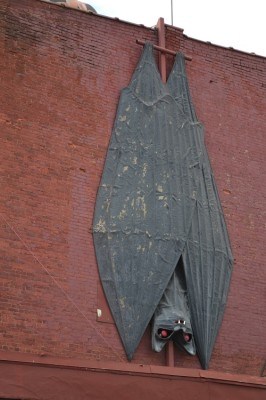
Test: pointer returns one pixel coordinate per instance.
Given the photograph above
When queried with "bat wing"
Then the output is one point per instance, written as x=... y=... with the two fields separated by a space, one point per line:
x=207 y=254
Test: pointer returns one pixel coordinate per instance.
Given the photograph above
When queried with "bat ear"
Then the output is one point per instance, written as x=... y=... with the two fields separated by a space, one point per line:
x=178 y=87
x=146 y=83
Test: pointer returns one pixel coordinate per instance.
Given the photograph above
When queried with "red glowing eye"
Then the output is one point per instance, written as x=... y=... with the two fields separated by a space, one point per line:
x=164 y=333
x=186 y=337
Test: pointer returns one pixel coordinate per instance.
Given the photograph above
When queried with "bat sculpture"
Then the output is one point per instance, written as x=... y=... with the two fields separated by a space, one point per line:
x=160 y=237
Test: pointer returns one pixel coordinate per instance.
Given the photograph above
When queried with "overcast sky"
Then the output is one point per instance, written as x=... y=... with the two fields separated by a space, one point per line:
x=240 y=24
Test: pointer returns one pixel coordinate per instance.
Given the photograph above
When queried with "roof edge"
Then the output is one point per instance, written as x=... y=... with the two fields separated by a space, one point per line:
x=132 y=369
x=214 y=44
x=153 y=28
x=98 y=15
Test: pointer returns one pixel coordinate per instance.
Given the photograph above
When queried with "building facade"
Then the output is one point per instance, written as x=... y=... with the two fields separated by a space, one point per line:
x=62 y=71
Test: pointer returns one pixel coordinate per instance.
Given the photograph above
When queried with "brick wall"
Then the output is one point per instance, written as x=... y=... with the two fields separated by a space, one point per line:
x=61 y=72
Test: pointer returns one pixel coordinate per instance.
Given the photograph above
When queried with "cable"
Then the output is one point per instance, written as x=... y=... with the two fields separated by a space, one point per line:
x=58 y=285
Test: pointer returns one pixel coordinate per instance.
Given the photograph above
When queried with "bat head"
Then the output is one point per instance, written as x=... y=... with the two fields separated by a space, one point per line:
x=177 y=329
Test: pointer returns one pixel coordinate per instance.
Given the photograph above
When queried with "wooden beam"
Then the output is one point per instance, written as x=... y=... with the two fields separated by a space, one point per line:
x=162 y=56
x=162 y=49
x=170 y=354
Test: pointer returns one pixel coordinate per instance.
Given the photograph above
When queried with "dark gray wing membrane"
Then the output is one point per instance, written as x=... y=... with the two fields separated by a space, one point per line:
x=207 y=254
x=146 y=199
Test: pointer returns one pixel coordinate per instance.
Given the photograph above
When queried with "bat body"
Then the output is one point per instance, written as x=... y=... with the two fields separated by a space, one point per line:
x=157 y=208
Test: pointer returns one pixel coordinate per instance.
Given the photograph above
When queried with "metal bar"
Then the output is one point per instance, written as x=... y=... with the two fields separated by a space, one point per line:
x=169 y=351
x=172 y=15
x=163 y=50
x=162 y=56
x=170 y=354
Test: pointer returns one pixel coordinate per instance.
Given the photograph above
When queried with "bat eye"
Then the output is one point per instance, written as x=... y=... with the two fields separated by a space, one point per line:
x=187 y=337
x=163 y=333
x=180 y=321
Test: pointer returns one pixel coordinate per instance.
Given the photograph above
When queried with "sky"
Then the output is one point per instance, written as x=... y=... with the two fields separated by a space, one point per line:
x=240 y=24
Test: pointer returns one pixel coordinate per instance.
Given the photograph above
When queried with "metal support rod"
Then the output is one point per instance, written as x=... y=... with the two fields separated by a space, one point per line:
x=162 y=56
x=163 y=50
x=170 y=354
x=172 y=15
x=169 y=350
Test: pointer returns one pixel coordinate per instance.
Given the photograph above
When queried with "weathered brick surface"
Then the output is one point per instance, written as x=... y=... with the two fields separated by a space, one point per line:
x=61 y=73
